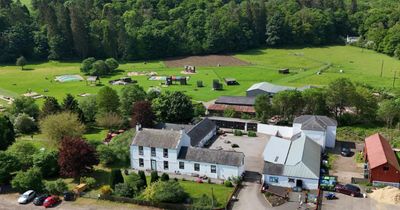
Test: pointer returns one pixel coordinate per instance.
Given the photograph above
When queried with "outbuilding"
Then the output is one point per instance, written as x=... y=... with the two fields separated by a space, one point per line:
x=382 y=164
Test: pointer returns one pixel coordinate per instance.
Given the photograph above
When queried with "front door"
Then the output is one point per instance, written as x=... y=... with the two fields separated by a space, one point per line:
x=153 y=165
x=299 y=183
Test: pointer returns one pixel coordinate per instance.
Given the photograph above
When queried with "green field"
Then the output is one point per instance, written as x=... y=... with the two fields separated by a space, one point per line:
x=359 y=65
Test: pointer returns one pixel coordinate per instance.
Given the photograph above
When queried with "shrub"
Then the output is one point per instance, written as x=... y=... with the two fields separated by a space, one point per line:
x=28 y=180
x=205 y=202
x=56 y=187
x=228 y=183
x=123 y=190
x=237 y=133
x=170 y=192
x=237 y=180
x=116 y=177
x=25 y=124
x=164 y=177
x=89 y=181
x=135 y=182
x=251 y=134
x=105 y=190
x=154 y=176
x=143 y=178
x=46 y=161
x=235 y=146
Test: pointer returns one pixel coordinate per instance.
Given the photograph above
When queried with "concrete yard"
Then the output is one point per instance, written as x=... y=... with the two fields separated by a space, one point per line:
x=252 y=147
x=345 y=202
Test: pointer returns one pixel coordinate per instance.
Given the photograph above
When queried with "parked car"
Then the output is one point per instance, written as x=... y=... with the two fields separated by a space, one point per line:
x=38 y=201
x=69 y=196
x=27 y=197
x=346 y=152
x=51 y=201
x=348 y=189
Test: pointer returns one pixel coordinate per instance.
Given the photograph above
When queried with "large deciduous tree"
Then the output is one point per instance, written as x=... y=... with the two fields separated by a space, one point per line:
x=76 y=157
x=58 y=126
x=340 y=95
x=288 y=103
x=25 y=105
x=263 y=108
x=143 y=114
x=28 y=180
x=88 y=105
x=7 y=135
x=50 y=106
x=107 y=100
x=173 y=107
x=129 y=95
x=8 y=164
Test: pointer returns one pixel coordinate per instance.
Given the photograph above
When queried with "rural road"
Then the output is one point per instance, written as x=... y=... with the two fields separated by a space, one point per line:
x=9 y=202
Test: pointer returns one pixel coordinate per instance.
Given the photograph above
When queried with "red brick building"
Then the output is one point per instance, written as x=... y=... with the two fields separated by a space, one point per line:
x=383 y=165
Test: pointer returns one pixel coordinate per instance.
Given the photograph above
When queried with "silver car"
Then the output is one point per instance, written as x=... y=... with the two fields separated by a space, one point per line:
x=27 y=197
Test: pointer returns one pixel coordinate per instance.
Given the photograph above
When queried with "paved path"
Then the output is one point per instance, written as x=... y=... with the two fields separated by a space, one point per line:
x=9 y=202
x=250 y=198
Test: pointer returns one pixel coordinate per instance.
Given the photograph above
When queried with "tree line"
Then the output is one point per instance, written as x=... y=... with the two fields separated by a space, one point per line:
x=146 y=29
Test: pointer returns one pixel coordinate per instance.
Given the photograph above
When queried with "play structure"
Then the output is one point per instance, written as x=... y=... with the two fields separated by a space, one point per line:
x=170 y=80
x=122 y=81
x=68 y=78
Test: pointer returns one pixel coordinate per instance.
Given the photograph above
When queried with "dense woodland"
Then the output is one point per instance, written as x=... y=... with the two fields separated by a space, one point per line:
x=145 y=29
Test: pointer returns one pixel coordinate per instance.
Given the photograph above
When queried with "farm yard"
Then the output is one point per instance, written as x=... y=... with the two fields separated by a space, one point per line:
x=357 y=64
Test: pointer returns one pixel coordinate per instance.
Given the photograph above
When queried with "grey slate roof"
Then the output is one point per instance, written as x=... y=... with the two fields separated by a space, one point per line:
x=303 y=160
x=174 y=127
x=157 y=138
x=315 y=122
x=220 y=157
x=236 y=100
x=201 y=130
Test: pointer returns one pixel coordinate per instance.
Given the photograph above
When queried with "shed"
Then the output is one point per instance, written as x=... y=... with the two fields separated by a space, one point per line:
x=383 y=166
x=283 y=71
x=230 y=81
x=92 y=79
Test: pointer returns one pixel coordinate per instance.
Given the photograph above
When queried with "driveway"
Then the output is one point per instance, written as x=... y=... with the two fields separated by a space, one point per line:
x=252 y=147
x=346 y=167
x=345 y=202
x=9 y=202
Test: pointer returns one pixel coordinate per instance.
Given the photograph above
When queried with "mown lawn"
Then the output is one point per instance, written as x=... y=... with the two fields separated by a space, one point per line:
x=359 y=65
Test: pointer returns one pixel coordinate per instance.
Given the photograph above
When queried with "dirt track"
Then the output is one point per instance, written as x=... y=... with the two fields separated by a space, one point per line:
x=206 y=60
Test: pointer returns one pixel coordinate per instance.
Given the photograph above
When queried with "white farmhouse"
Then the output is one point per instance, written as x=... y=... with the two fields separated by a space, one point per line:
x=292 y=163
x=321 y=129
x=170 y=151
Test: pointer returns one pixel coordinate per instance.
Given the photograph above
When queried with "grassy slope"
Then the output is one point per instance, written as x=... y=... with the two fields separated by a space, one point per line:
x=359 y=65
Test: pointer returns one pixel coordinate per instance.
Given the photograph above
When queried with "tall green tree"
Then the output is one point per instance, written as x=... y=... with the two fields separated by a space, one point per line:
x=108 y=100
x=129 y=95
x=288 y=103
x=173 y=107
x=50 y=106
x=263 y=108
x=7 y=135
x=25 y=105
x=340 y=95
x=21 y=61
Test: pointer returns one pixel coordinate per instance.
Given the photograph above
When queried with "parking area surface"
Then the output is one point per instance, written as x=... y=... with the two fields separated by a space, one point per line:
x=345 y=202
x=252 y=147
x=9 y=202
x=346 y=167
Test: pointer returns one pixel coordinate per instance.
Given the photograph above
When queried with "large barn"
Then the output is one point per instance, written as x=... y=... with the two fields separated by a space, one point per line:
x=383 y=166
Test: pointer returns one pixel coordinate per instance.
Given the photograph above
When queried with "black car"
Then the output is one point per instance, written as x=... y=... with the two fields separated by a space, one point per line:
x=38 y=201
x=69 y=196
x=346 y=152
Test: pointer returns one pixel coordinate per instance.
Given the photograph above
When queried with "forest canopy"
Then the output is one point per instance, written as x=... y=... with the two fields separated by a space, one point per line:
x=138 y=29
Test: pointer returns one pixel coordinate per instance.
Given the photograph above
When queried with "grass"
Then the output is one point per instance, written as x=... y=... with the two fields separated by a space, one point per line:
x=360 y=132
x=359 y=65
x=331 y=160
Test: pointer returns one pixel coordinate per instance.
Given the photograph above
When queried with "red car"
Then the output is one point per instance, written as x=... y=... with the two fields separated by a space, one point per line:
x=51 y=201
x=348 y=189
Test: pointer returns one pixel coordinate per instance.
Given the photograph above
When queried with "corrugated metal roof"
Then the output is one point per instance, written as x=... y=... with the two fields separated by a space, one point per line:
x=276 y=150
x=236 y=100
x=303 y=159
x=222 y=107
x=380 y=152
x=269 y=87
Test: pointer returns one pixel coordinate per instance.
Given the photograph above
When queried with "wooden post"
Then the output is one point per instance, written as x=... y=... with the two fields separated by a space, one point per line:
x=394 y=77
x=382 y=68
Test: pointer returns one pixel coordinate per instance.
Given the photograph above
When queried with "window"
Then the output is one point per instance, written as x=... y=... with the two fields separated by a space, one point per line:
x=165 y=153
x=385 y=168
x=153 y=152
x=141 y=162
x=213 y=169
x=273 y=179
x=197 y=167
x=165 y=165
x=140 y=150
x=291 y=180
x=181 y=165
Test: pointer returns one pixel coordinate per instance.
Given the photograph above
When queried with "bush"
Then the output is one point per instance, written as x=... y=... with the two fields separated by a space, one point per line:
x=89 y=181
x=135 y=182
x=123 y=190
x=164 y=177
x=205 y=202
x=237 y=133
x=154 y=177
x=46 y=161
x=170 y=192
x=235 y=146
x=25 y=124
x=28 y=180
x=116 y=177
x=228 y=183
x=143 y=178
x=105 y=190
x=251 y=134
x=56 y=187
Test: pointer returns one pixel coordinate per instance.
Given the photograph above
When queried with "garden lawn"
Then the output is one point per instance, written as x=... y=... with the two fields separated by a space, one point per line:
x=359 y=65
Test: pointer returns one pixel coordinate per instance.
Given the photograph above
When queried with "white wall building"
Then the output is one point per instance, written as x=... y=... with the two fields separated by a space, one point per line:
x=171 y=152
x=290 y=163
